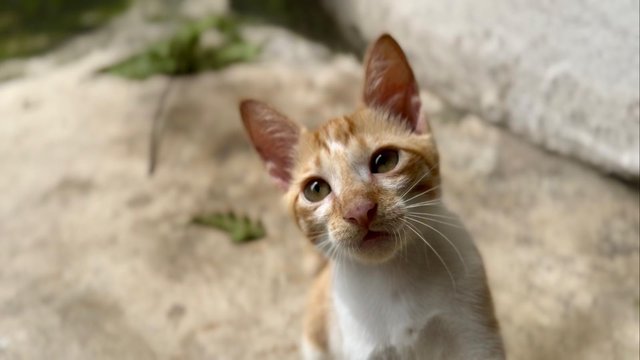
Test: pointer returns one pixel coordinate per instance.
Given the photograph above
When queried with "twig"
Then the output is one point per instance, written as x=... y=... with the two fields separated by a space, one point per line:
x=157 y=126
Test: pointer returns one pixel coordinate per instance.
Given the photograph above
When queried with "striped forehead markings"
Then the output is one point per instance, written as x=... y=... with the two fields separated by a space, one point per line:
x=336 y=147
x=343 y=130
x=339 y=130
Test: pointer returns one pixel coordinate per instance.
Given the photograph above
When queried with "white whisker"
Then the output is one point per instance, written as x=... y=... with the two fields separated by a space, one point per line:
x=423 y=193
x=425 y=217
x=434 y=203
x=447 y=239
x=411 y=227
x=438 y=215
x=416 y=183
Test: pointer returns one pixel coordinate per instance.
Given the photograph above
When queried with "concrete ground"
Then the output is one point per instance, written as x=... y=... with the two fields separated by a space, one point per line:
x=99 y=260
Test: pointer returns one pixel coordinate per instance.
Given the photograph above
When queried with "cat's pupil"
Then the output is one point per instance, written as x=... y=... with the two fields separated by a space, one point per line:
x=316 y=190
x=384 y=160
x=315 y=186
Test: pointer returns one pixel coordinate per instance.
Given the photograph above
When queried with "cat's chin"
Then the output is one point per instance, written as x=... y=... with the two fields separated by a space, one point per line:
x=375 y=248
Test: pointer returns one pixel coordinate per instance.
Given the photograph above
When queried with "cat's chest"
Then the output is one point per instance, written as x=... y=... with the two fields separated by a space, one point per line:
x=385 y=315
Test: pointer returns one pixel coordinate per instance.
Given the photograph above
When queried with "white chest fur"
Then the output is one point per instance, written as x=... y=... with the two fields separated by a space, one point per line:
x=411 y=308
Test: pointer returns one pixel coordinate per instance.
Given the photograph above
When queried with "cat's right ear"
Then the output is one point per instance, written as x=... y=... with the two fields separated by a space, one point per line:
x=275 y=138
x=390 y=83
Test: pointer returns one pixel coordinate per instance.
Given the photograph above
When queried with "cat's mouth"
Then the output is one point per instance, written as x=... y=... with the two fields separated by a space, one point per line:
x=375 y=247
x=373 y=238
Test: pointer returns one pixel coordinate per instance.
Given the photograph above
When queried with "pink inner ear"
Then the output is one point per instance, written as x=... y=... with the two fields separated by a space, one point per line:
x=274 y=136
x=282 y=179
x=390 y=84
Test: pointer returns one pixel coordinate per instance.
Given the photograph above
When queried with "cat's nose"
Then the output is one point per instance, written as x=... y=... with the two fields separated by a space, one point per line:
x=361 y=212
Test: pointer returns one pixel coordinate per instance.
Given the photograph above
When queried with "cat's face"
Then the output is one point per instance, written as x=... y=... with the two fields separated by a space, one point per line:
x=351 y=183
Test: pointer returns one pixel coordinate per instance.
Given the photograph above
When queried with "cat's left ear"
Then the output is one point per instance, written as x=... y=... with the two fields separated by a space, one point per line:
x=274 y=136
x=390 y=83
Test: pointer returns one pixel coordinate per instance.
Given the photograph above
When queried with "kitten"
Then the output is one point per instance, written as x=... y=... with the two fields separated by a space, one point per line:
x=404 y=279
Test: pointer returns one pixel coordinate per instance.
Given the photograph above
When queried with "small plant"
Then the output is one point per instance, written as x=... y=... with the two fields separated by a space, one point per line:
x=240 y=228
x=184 y=54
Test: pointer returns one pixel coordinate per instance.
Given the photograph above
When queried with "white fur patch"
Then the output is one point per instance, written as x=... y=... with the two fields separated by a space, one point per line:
x=393 y=310
x=310 y=352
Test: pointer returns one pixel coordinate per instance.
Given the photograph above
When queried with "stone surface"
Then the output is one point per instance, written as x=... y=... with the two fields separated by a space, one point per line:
x=563 y=74
x=99 y=261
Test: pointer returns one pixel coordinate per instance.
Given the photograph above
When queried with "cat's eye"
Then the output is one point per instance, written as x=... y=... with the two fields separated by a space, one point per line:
x=316 y=189
x=384 y=160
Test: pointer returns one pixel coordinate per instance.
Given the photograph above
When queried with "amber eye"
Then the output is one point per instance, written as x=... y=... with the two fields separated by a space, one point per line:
x=316 y=190
x=384 y=160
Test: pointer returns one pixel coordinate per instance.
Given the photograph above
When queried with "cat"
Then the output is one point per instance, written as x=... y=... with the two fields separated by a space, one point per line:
x=404 y=279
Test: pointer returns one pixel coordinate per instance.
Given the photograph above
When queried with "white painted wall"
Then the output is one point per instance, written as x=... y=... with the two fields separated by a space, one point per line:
x=565 y=74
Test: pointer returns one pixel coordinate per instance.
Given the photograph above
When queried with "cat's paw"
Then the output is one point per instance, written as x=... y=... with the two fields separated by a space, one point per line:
x=310 y=352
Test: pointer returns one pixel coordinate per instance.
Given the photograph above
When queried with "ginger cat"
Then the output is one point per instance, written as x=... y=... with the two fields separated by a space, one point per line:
x=404 y=279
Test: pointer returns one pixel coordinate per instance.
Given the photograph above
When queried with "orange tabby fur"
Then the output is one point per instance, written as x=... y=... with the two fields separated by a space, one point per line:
x=316 y=318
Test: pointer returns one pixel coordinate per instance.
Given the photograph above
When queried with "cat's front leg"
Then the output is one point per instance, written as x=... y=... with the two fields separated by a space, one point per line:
x=315 y=337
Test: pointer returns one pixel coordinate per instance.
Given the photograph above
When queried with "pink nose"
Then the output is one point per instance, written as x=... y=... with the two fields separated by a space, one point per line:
x=361 y=212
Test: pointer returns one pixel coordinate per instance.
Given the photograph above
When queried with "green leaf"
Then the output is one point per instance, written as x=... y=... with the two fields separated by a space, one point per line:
x=240 y=229
x=183 y=53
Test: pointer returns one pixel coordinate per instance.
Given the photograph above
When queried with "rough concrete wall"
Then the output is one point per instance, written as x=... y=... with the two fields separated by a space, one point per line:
x=564 y=74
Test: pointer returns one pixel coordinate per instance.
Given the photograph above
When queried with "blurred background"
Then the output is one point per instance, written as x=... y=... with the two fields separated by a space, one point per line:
x=137 y=222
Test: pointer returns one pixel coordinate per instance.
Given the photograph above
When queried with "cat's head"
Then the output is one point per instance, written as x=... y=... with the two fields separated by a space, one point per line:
x=352 y=182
